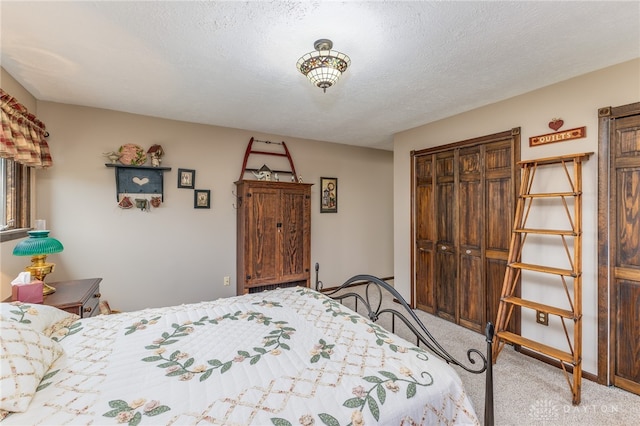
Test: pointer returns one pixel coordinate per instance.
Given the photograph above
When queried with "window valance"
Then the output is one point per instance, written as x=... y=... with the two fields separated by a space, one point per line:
x=23 y=136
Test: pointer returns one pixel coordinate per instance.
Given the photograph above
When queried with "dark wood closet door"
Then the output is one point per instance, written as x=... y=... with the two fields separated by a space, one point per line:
x=500 y=184
x=425 y=233
x=470 y=240
x=625 y=248
x=463 y=207
x=446 y=281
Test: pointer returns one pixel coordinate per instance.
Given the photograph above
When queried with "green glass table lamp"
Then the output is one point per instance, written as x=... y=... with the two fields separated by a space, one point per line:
x=38 y=246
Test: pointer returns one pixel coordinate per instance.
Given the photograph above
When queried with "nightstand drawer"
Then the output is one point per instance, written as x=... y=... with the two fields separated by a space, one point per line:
x=80 y=297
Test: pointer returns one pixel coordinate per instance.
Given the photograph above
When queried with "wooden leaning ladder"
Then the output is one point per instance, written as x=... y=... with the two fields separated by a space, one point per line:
x=570 y=359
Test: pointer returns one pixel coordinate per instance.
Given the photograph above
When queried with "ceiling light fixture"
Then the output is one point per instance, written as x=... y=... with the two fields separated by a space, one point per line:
x=324 y=66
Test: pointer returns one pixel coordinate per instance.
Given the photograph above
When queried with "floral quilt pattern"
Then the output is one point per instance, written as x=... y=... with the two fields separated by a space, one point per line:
x=283 y=357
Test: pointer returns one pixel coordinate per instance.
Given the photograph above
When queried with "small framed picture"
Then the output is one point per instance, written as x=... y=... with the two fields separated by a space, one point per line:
x=202 y=199
x=186 y=178
x=328 y=195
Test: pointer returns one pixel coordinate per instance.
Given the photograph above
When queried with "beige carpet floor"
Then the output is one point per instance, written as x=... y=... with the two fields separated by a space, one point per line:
x=527 y=391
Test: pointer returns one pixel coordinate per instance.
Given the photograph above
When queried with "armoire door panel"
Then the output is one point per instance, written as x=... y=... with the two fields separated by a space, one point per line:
x=263 y=238
x=292 y=232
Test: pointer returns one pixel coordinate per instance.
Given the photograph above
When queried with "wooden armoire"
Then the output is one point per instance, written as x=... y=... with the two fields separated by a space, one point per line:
x=463 y=201
x=273 y=235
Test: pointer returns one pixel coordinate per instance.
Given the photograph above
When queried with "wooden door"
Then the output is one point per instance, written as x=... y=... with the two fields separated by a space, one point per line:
x=293 y=230
x=446 y=277
x=261 y=236
x=500 y=183
x=623 y=246
x=425 y=233
x=470 y=239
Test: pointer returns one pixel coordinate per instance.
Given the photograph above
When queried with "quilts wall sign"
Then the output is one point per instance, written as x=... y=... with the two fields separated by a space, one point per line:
x=558 y=136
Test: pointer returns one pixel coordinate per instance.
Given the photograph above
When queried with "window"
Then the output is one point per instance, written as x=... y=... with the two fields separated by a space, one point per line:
x=15 y=188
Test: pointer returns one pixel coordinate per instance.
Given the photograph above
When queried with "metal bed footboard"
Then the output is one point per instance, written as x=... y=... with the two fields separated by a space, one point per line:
x=478 y=363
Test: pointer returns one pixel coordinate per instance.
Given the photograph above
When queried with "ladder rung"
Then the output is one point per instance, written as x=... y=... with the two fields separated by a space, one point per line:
x=540 y=307
x=277 y=154
x=272 y=171
x=551 y=194
x=545 y=231
x=546 y=269
x=556 y=160
x=536 y=346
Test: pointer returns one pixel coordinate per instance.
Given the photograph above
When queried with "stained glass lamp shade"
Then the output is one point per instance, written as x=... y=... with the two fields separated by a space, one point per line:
x=38 y=246
x=324 y=66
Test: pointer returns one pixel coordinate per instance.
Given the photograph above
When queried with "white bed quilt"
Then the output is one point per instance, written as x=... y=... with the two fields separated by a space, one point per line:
x=283 y=357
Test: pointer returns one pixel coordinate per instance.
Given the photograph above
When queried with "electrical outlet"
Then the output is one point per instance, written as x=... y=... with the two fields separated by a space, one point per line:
x=542 y=318
x=227 y=280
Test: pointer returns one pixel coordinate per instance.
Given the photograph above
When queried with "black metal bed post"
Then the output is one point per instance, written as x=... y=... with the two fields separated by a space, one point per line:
x=488 y=391
x=319 y=284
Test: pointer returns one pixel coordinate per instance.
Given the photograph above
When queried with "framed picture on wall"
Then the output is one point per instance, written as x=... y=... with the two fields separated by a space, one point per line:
x=186 y=178
x=202 y=199
x=328 y=195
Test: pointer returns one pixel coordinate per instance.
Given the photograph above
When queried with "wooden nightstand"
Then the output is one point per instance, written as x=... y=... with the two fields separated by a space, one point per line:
x=80 y=297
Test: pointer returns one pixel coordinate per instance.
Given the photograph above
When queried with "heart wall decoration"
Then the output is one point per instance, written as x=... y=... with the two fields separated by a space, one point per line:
x=140 y=181
x=556 y=123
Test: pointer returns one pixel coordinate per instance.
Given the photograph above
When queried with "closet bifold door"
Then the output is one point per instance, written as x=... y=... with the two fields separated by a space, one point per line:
x=446 y=277
x=463 y=204
x=424 y=233
x=500 y=186
x=471 y=294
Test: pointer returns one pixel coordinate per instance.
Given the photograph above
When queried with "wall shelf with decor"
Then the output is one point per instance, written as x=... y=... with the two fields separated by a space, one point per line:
x=139 y=179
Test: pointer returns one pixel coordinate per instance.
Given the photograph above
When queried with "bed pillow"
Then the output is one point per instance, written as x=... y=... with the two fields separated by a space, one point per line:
x=43 y=318
x=25 y=357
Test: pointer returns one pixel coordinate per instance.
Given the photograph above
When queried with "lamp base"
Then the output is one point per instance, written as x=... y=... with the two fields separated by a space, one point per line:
x=39 y=269
x=47 y=289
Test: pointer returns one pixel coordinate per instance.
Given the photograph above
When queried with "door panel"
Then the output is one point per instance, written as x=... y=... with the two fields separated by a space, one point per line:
x=292 y=232
x=425 y=234
x=446 y=282
x=471 y=291
x=463 y=207
x=625 y=247
x=471 y=219
x=263 y=240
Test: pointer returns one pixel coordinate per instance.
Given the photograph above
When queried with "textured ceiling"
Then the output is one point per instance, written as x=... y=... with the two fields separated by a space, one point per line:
x=233 y=64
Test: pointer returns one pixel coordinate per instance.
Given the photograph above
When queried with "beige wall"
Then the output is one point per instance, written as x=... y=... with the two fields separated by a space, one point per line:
x=178 y=254
x=576 y=101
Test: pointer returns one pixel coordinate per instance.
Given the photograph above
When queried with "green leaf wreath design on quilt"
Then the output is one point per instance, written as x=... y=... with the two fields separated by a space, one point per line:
x=181 y=364
x=141 y=325
x=321 y=350
x=43 y=383
x=132 y=413
x=22 y=311
x=65 y=332
x=369 y=398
